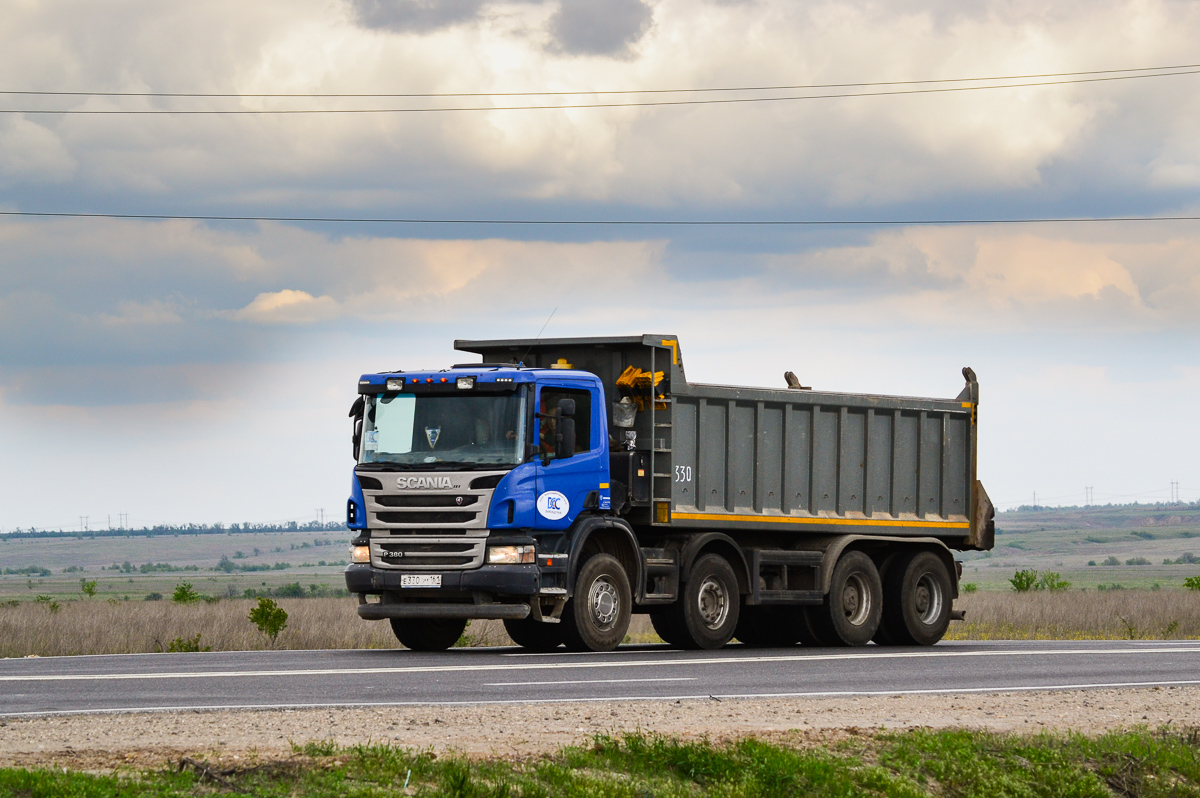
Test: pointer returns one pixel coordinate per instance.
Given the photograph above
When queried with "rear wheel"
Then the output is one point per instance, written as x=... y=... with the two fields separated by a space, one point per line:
x=428 y=634
x=667 y=626
x=916 y=609
x=534 y=635
x=597 y=616
x=773 y=626
x=851 y=613
x=706 y=614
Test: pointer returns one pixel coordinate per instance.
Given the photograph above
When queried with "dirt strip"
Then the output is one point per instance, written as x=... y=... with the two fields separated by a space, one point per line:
x=101 y=742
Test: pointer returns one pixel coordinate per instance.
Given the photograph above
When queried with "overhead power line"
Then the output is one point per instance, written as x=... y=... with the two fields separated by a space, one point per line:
x=568 y=106
x=599 y=222
x=793 y=87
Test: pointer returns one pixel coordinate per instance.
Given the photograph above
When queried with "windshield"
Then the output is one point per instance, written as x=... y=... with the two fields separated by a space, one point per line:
x=470 y=429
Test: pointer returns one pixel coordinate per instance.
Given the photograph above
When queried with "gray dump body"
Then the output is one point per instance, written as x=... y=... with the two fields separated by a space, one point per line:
x=779 y=460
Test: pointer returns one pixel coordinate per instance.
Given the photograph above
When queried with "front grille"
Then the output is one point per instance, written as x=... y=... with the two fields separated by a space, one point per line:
x=405 y=549
x=426 y=501
x=417 y=555
x=426 y=518
x=392 y=533
x=430 y=529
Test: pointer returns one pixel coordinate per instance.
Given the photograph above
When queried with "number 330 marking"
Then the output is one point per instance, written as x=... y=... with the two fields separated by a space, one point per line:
x=683 y=473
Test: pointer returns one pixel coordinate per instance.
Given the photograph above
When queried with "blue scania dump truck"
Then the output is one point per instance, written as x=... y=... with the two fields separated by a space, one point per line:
x=562 y=485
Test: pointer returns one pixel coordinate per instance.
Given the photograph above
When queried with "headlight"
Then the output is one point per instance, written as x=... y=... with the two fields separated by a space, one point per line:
x=465 y=383
x=513 y=555
x=395 y=384
x=360 y=554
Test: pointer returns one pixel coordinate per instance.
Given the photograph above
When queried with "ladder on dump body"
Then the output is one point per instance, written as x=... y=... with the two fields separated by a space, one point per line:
x=658 y=445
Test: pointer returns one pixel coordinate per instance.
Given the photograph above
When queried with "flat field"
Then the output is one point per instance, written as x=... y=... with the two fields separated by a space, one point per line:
x=306 y=557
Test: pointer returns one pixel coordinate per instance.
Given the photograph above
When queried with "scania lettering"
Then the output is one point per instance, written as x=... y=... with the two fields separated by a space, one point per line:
x=562 y=485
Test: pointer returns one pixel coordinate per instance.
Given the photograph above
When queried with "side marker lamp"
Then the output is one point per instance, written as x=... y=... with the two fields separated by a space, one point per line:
x=395 y=384
x=360 y=554
x=465 y=383
x=510 y=555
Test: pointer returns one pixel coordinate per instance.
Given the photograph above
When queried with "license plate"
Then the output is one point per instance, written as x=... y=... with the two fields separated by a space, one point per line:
x=420 y=580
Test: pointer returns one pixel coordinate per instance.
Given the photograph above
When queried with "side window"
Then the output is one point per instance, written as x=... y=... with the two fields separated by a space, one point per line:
x=583 y=418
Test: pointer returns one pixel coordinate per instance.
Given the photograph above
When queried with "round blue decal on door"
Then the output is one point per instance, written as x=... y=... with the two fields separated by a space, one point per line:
x=553 y=505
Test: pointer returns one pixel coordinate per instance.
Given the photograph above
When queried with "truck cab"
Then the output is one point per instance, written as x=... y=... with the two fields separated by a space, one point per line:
x=463 y=477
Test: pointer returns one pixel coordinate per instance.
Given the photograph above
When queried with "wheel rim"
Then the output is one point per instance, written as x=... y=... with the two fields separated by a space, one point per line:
x=856 y=600
x=713 y=603
x=604 y=603
x=928 y=599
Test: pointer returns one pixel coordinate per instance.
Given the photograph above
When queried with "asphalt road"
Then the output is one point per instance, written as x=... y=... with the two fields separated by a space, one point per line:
x=283 y=679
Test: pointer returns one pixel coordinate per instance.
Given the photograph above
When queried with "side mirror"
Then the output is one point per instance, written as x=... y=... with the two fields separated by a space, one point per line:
x=566 y=407
x=565 y=445
x=356 y=413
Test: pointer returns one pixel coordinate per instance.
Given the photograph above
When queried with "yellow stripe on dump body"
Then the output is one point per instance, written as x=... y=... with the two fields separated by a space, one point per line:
x=774 y=519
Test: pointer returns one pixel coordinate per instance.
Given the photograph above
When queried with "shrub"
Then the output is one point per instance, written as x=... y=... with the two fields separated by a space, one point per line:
x=185 y=594
x=1091 y=562
x=1052 y=581
x=1192 y=583
x=1137 y=561
x=290 y=590
x=154 y=597
x=88 y=587
x=1023 y=581
x=968 y=587
x=269 y=617
x=1111 y=561
x=182 y=645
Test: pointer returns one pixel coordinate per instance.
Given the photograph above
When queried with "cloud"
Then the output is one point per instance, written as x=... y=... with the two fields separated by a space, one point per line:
x=31 y=152
x=152 y=313
x=288 y=307
x=585 y=27
x=414 y=15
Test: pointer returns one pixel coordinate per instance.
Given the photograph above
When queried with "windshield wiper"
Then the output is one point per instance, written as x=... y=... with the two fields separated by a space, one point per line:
x=440 y=465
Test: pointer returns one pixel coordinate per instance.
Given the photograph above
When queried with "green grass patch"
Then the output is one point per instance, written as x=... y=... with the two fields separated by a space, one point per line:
x=910 y=763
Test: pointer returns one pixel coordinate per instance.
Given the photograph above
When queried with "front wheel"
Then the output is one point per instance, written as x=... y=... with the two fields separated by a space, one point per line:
x=428 y=634
x=534 y=635
x=597 y=616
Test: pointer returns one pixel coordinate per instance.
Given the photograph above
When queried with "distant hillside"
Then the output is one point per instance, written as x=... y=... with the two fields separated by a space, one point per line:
x=1111 y=516
x=176 y=531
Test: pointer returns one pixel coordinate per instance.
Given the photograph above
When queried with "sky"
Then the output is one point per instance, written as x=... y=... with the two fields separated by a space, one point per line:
x=186 y=371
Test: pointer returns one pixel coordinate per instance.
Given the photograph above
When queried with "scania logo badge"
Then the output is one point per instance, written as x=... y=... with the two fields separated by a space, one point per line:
x=424 y=483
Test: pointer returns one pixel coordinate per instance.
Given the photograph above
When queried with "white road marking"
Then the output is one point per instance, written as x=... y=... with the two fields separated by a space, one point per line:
x=502 y=701
x=594 y=681
x=649 y=663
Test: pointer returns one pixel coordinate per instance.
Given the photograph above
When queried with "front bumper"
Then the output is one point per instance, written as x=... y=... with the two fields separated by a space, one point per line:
x=497 y=580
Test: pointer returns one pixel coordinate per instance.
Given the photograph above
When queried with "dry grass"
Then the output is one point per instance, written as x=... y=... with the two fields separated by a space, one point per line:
x=100 y=627
x=1078 y=615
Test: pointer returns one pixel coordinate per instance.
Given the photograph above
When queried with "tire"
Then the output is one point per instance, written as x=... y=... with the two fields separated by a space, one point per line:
x=666 y=626
x=754 y=627
x=706 y=613
x=851 y=613
x=916 y=600
x=534 y=635
x=772 y=626
x=597 y=616
x=428 y=634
